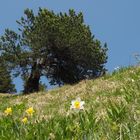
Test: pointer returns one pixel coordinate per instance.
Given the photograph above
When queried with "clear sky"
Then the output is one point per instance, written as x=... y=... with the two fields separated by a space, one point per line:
x=116 y=22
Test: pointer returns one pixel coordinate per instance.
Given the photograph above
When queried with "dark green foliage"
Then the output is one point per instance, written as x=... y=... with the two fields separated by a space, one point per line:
x=59 y=46
x=6 y=85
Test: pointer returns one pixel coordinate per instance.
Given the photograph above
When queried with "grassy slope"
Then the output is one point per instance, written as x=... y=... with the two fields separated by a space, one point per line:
x=112 y=111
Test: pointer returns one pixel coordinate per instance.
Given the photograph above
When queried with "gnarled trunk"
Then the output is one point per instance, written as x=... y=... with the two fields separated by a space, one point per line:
x=32 y=83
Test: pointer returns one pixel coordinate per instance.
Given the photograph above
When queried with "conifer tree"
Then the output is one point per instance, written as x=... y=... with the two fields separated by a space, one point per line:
x=6 y=85
x=58 y=46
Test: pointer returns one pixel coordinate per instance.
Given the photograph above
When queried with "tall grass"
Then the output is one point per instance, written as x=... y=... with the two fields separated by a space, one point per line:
x=111 y=111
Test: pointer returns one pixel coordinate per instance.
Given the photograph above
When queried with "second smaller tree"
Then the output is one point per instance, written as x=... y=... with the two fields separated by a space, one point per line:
x=6 y=85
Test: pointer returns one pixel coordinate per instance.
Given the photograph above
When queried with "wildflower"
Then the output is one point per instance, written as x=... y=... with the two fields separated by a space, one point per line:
x=24 y=120
x=132 y=80
x=8 y=111
x=30 y=111
x=77 y=104
x=117 y=68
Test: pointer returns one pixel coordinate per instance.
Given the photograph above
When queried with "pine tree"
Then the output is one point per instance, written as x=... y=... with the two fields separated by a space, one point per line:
x=6 y=85
x=58 y=46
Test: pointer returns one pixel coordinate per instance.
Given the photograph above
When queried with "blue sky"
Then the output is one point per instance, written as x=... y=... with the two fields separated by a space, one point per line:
x=113 y=21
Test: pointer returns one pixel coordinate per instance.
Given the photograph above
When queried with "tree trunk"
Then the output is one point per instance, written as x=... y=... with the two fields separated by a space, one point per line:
x=32 y=83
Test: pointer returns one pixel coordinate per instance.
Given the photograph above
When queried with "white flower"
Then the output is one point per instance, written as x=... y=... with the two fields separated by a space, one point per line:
x=77 y=104
x=117 y=68
x=132 y=80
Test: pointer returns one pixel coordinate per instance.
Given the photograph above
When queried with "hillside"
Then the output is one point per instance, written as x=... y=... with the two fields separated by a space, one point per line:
x=111 y=111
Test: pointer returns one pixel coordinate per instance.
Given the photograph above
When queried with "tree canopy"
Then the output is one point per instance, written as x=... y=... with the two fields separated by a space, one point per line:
x=58 y=46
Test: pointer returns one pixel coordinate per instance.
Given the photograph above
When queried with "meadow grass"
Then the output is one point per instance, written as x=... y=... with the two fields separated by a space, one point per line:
x=111 y=111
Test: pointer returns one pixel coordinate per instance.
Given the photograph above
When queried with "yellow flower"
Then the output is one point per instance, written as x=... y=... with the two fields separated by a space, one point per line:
x=77 y=104
x=8 y=111
x=24 y=120
x=30 y=111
